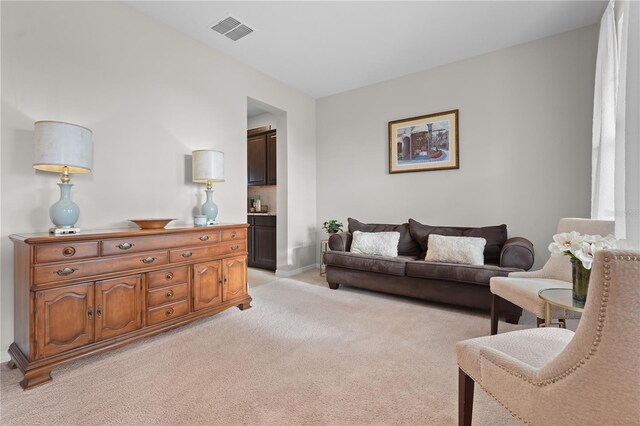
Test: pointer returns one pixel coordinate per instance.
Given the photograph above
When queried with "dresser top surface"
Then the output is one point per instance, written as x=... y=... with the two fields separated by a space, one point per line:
x=45 y=237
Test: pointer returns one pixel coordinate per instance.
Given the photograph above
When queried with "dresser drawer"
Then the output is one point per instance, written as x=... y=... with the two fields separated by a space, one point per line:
x=73 y=270
x=234 y=234
x=167 y=312
x=165 y=295
x=168 y=277
x=64 y=252
x=139 y=244
x=199 y=253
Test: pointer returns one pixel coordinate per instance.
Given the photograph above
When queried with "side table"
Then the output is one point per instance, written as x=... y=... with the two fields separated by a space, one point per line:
x=560 y=297
x=324 y=247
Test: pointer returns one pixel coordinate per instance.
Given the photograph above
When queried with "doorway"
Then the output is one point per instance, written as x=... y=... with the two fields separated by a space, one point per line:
x=266 y=185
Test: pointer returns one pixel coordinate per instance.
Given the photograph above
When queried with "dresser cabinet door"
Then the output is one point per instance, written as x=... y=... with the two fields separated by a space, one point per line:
x=118 y=306
x=207 y=280
x=235 y=277
x=64 y=319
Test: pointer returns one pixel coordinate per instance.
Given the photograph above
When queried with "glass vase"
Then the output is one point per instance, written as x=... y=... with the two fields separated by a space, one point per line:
x=580 y=276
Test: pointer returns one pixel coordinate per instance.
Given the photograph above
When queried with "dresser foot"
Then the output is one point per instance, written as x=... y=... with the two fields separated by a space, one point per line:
x=36 y=378
x=12 y=365
x=244 y=306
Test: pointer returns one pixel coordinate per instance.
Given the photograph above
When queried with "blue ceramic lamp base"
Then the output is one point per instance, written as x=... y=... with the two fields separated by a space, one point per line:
x=210 y=208
x=64 y=213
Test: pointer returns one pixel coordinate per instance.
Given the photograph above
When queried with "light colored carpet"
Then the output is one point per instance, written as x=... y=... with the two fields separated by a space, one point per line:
x=302 y=355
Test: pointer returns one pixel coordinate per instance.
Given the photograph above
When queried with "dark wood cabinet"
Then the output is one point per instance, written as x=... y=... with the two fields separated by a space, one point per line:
x=271 y=159
x=82 y=294
x=262 y=242
x=261 y=159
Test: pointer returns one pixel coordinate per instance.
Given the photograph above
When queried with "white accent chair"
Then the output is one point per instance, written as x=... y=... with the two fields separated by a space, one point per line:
x=552 y=376
x=521 y=288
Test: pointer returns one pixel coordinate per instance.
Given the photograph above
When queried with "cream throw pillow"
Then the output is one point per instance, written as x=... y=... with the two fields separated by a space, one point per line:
x=466 y=250
x=378 y=243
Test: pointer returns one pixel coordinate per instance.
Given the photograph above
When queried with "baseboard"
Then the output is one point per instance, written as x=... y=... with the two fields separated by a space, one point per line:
x=290 y=273
x=4 y=356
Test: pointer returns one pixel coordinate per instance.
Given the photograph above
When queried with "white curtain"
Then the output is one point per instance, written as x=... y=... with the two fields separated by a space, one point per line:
x=608 y=156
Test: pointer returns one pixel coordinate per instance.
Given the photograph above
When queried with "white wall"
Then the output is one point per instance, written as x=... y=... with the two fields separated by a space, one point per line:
x=263 y=120
x=151 y=96
x=525 y=142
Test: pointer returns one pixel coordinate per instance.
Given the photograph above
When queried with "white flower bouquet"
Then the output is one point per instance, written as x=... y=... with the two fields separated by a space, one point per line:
x=581 y=247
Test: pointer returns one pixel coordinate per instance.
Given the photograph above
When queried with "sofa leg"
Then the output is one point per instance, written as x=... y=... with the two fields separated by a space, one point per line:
x=465 y=398
x=495 y=308
x=512 y=318
x=333 y=286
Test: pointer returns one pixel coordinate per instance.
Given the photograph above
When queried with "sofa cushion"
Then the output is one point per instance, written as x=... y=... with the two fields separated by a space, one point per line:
x=495 y=236
x=377 y=243
x=370 y=263
x=407 y=246
x=472 y=274
x=464 y=250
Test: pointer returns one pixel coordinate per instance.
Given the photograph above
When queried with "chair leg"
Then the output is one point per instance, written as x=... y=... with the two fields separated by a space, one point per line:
x=495 y=308
x=465 y=398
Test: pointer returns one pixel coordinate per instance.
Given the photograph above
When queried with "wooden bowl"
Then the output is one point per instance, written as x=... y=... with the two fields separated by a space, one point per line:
x=151 y=223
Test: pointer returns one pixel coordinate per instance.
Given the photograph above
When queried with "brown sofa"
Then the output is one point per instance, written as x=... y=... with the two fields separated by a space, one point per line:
x=409 y=275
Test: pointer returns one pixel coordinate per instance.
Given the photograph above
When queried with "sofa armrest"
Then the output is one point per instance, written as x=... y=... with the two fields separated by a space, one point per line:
x=517 y=252
x=340 y=241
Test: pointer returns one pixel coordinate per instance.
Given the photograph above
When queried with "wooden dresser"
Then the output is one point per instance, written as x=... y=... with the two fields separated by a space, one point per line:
x=82 y=294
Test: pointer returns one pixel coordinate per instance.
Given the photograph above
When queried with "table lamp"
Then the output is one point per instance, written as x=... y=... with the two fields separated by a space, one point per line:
x=63 y=148
x=208 y=167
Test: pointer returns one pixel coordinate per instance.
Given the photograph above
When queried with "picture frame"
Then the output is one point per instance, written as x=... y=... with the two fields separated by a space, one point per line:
x=424 y=143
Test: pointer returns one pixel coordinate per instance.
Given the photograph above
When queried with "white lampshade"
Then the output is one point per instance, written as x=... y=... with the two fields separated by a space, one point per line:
x=208 y=166
x=60 y=145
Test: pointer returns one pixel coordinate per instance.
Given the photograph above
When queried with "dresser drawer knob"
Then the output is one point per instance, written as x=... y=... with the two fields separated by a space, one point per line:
x=169 y=294
x=187 y=254
x=169 y=276
x=204 y=238
x=169 y=312
x=65 y=271
x=68 y=251
x=233 y=235
x=235 y=247
x=148 y=260
x=125 y=246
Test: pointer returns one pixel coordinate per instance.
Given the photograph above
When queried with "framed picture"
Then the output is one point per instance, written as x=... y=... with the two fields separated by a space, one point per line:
x=428 y=142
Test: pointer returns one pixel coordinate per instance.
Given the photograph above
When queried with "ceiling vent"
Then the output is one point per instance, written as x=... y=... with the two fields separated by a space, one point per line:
x=231 y=28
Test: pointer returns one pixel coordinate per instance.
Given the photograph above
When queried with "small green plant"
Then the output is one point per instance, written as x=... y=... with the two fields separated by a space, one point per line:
x=332 y=226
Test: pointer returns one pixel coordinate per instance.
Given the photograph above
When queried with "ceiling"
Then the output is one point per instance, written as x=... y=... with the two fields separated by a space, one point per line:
x=323 y=48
